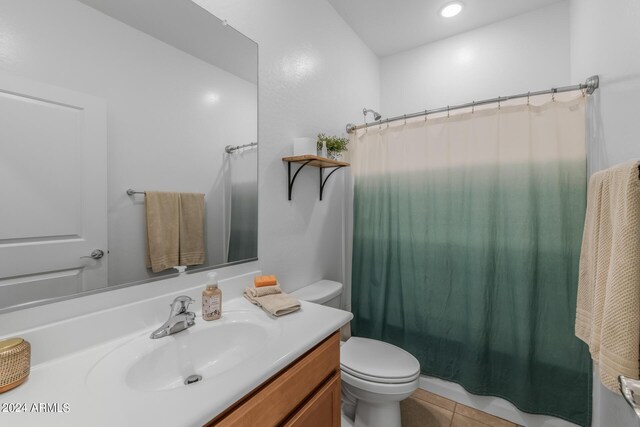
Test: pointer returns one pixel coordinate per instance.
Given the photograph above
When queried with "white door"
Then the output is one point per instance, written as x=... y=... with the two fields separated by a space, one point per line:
x=53 y=182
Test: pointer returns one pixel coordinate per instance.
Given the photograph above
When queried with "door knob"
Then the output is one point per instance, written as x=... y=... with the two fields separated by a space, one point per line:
x=95 y=254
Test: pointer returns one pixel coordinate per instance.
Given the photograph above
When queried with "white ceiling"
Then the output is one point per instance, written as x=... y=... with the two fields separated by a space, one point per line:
x=392 y=26
x=190 y=28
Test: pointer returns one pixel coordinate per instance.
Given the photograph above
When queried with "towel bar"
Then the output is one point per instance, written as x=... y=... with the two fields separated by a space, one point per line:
x=629 y=388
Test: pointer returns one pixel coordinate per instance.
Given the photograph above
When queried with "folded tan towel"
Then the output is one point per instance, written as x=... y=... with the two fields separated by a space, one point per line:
x=608 y=305
x=262 y=291
x=277 y=304
x=163 y=229
x=191 y=229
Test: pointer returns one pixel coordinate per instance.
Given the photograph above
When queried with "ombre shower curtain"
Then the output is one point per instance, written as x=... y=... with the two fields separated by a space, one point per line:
x=467 y=233
x=242 y=193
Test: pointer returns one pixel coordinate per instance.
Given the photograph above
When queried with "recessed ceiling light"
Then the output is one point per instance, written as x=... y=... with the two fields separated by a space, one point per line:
x=450 y=10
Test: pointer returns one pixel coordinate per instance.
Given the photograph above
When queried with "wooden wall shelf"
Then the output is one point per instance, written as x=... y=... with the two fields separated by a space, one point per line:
x=321 y=163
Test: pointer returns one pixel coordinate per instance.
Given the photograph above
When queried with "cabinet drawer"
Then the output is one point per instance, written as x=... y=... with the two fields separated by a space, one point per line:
x=274 y=401
x=322 y=410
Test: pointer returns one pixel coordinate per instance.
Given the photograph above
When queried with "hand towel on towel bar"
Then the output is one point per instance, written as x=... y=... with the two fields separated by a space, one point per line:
x=277 y=304
x=163 y=229
x=191 y=229
x=175 y=229
x=608 y=304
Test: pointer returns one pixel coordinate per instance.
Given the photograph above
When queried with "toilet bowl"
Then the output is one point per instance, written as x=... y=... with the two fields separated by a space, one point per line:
x=375 y=375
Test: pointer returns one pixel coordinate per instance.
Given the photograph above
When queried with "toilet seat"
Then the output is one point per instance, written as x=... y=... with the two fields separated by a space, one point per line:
x=378 y=362
x=382 y=389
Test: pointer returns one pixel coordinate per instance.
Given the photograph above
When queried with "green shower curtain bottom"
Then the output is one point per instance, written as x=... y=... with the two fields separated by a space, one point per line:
x=243 y=233
x=474 y=272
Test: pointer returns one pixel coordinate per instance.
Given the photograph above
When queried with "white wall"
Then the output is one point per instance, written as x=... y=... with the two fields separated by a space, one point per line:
x=605 y=40
x=169 y=114
x=525 y=53
x=315 y=76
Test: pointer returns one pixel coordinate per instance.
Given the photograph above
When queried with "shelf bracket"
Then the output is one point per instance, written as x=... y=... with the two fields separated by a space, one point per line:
x=322 y=183
x=292 y=180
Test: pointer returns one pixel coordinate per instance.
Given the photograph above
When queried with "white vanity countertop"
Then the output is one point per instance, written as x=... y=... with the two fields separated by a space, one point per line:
x=64 y=380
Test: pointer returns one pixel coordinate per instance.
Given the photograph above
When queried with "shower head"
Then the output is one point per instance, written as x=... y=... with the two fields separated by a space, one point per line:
x=376 y=115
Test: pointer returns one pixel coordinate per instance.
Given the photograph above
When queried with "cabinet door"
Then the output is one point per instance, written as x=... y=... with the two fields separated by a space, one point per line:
x=278 y=398
x=322 y=410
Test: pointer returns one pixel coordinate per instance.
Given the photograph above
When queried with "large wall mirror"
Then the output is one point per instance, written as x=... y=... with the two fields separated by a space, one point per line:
x=101 y=96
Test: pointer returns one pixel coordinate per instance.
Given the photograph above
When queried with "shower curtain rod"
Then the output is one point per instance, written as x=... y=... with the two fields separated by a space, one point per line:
x=590 y=85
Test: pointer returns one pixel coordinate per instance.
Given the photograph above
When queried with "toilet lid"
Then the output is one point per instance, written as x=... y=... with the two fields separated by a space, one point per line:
x=319 y=292
x=378 y=361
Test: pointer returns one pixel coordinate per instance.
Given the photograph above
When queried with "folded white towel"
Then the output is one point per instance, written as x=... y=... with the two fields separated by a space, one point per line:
x=276 y=303
x=263 y=290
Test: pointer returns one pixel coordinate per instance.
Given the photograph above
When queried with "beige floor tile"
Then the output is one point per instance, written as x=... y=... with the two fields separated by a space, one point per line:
x=462 y=421
x=482 y=417
x=435 y=399
x=419 y=413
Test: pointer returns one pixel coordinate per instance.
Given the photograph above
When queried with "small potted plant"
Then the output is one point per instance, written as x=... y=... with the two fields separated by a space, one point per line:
x=335 y=145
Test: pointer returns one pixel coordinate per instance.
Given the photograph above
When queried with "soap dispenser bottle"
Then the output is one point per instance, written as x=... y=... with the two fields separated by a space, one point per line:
x=212 y=298
x=323 y=151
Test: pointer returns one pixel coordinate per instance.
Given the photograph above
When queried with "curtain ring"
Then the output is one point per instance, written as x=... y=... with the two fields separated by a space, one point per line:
x=499 y=102
x=405 y=119
x=448 y=112
x=553 y=94
x=473 y=107
x=583 y=92
x=387 y=124
x=528 y=98
x=425 y=116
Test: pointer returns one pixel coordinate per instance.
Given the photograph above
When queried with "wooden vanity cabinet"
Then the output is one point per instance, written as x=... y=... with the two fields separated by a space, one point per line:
x=304 y=394
x=322 y=410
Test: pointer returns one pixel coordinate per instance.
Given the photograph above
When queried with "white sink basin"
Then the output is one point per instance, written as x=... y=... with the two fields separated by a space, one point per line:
x=207 y=349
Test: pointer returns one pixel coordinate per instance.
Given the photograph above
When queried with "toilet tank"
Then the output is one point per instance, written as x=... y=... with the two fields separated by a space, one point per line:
x=325 y=292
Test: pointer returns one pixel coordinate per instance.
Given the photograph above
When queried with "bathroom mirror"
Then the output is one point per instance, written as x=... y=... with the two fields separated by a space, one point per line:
x=101 y=96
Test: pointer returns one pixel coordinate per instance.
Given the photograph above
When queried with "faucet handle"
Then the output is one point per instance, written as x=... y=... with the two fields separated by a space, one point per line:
x=180 y=304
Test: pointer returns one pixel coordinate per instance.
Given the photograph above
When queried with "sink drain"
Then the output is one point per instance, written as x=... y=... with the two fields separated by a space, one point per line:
x=192 y=379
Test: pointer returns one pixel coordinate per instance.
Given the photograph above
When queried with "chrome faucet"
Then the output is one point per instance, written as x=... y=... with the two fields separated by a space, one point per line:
x=179 y=318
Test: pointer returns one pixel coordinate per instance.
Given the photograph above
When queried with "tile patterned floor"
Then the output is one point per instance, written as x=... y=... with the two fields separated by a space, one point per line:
x=424 y=409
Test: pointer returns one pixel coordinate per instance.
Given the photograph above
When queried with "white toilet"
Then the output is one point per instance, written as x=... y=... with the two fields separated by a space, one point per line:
x=376 y=376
